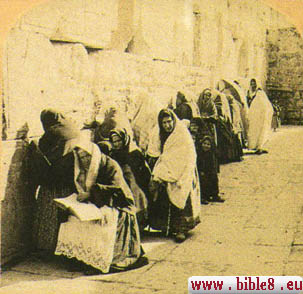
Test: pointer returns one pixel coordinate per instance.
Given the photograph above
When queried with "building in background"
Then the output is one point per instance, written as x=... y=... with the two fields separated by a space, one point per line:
x=285 y=72
x=76 y=54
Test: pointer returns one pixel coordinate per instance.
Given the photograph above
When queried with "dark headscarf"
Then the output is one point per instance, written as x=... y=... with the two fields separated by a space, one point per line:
x=252 y=94
x=207 y=161
x=49 y=118
x=180 y=98
x=122 y=134
x=57 y=130
x=202 y=95
x=208 y=138
x=254 y=80
x=121 y=155
x=183 y=108
x=197 y=121
x=166 y=112
x=55 y=123
x=206 y=104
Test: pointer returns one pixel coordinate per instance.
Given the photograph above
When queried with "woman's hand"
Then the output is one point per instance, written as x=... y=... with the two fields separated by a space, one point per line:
x=154 y=185
x=154 y=190
x=83 y=196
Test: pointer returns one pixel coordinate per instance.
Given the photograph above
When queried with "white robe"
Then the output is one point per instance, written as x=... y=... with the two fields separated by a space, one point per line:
x=259 y=120
x=176 y=165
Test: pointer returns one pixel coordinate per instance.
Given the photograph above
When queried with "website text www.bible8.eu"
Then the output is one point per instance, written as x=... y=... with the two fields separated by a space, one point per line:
x=245 y=284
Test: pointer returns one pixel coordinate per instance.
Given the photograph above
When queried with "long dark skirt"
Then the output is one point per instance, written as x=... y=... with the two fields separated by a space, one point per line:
x=48 y=217
x=209 y=186
x=139 y=196
x=165 y=216
x=229 y=145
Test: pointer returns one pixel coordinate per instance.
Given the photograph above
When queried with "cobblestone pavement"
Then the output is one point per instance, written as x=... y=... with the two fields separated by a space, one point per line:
x=257 y=231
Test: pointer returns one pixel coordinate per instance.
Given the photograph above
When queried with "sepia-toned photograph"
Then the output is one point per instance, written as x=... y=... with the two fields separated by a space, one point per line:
x=151 y=146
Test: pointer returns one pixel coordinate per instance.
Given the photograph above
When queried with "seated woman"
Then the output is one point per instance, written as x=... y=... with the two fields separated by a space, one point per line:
x=135 y=170
x=174 y=186
x=62 y=163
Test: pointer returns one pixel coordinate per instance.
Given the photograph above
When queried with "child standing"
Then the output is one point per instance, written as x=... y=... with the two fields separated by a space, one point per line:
x=207 y=164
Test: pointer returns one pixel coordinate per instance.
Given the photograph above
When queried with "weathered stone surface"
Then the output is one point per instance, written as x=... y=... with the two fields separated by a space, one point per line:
x=53 y=74
x=45 y=75
x=284 y=54
x=16 y=202
x=88 y=22
x=171 y=36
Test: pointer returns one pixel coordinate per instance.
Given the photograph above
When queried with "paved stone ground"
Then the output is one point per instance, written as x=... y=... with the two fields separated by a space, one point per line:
x=257 y=231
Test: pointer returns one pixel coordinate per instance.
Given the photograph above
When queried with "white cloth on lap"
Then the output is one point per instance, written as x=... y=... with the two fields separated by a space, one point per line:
x=92 y=242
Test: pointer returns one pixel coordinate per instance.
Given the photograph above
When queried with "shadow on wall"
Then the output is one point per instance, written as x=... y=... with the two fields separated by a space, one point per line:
x=17 y=204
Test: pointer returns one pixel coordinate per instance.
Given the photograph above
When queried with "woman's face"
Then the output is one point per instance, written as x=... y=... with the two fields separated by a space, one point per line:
x=168 y=124
x=253 y=85
x=206 y=145
x=117 y=142
x=178 y=101
x=193 y=128
x=207 y=95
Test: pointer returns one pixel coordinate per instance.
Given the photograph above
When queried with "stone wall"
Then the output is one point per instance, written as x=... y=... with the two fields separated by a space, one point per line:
x=16 y=202
x=285 y=72
x=74 y=54
x=50 y=54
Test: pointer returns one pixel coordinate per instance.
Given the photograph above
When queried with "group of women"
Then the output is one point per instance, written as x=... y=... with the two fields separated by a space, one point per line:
x=137 y=181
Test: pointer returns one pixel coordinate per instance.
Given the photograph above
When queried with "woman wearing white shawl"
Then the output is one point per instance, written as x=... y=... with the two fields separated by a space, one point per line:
x=259 y=118
x=145 y=119
x=175 y=185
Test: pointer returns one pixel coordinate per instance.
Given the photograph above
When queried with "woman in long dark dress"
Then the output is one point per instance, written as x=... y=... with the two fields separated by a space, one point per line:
x=135 y=170
x=227 y=147
x=276 y=121
x=208 y=113
x=64 y=162
x=207 y=164
x=175 y=186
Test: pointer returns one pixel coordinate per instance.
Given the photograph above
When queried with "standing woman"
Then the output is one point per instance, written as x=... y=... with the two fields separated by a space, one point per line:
x=208 y=112
x=259 y=118
x=185 y=109
x=62 y=163
x=207 y=164
x=276 y=122
x=135 y=170
x=174 y=186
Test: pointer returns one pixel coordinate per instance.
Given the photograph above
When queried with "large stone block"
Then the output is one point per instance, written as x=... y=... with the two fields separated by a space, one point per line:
x=166 y=28
x=29 y=79
x=115 y=72
x=16 y=202
x=89 y=22
x=41 y=74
